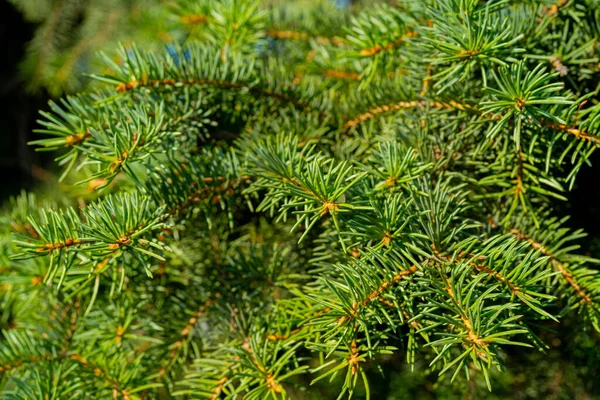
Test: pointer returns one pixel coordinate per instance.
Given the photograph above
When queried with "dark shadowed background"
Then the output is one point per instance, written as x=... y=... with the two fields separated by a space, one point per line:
x=18 y=109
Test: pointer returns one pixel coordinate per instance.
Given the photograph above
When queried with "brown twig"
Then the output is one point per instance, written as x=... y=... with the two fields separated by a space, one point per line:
x=554 y=9
x=372 y=51
x=293 y=35
x=269 y=377
x=353 y=357
x=562 y=268
x=471 y=334
x=124 y=87
x=462 y=257
x=373 y=112
x=194 y=19
x=375 y=294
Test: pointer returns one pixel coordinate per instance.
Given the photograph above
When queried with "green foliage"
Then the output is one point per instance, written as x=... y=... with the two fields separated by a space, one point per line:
x=272 y=203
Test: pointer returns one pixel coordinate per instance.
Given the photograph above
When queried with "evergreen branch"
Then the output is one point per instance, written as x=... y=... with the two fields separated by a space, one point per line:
x=270 y=380
x=133 y=84
x=204 y=67
x=375 y=111
x=375 y=294
x=119 y=224
x=421 y=104
x=255 y=125
x=475 y=325
x=98 y=372
x=185 y=334
x=578 y=133
x=520 y=272
x=19 y=348
x=479 y=267
x=199 y=194
x=478 y=343
x=31 y=352
x=562 y=268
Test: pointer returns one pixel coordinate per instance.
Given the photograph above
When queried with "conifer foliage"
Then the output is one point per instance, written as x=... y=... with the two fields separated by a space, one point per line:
x=287 y=197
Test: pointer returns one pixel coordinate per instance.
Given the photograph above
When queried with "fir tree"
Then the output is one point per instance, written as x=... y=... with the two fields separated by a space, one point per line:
x=290 y=197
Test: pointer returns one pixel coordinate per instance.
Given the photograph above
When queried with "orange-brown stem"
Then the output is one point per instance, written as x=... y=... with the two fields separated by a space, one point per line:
x=554 y=9
x=76 y=139
x=333 y=73
x=60 y=245
x=353 y=357
x=194 y=19
x=560 y=267
x=293 y=35
x=375 y=294
x=461 y=256
x=373 y=112
x=124 y=87
x=372 y=51
x=475 y=340
x=219 y=388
